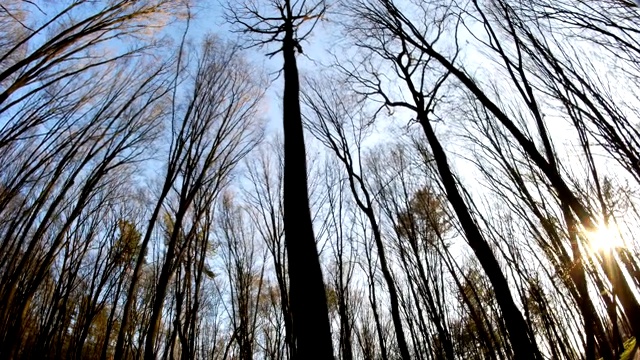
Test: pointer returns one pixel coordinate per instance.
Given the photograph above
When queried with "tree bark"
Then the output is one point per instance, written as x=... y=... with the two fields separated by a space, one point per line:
x=523 y=346
x=308 y=298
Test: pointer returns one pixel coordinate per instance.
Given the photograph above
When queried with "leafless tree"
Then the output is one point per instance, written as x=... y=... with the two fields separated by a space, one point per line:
x=286 y=24
x=410 y=51
x=219 y=127
x=264 y=205
x=332 y=118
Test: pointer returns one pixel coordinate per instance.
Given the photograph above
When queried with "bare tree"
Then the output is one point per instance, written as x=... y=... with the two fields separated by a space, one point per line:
x=264 y=204
x=342 y=232
x=94 y=146
x=284 y=23
x=395 y=41
x=331 y=118
x=219 y=128
x=245 y=275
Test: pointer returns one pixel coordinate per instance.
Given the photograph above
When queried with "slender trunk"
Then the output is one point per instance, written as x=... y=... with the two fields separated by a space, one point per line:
x=137 y=271
x=523 y=346
x=584 y=301
x=161 y=291
x=311 y=327
x=112 y=312
x=393 y=293
x=285 y=308
x=376 y=314
x=345 y=331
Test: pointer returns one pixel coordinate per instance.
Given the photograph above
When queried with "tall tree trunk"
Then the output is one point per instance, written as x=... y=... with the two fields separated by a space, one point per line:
x=388 y=278
x=137 y=272
x=308 y=298
x=523 y=346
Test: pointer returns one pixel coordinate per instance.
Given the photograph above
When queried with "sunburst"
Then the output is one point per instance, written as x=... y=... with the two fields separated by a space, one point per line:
x=604 y=238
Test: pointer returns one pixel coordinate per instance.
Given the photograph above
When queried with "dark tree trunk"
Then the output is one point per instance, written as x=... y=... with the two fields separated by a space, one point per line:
x=307 y=295
x=393 y=293
x=523 y=346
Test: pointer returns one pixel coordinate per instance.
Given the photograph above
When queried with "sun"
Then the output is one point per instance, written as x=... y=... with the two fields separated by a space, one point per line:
x=604 y=238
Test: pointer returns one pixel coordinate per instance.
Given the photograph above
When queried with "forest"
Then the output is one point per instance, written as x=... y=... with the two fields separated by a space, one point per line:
x=319 y=179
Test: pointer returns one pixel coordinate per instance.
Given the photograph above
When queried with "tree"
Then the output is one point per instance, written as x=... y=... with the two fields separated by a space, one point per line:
x=285 y=24
x=411 y=57
x=218 y=129
x=246 y=276
x=330 y=114
x=88 y=152
x=264 y=204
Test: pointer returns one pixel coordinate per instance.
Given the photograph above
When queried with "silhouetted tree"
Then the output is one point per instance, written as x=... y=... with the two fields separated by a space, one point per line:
x=285 y=25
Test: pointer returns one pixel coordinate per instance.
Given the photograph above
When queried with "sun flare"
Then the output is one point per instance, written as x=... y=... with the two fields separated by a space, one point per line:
x=605 y=238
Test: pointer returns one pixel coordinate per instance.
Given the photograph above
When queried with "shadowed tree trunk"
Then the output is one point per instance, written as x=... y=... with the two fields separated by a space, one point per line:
x=311 y=328
x=308 y=298
x=383 y=19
